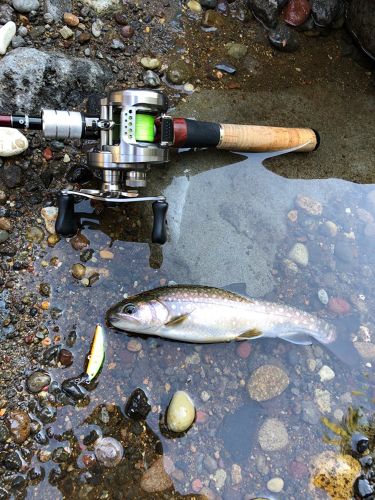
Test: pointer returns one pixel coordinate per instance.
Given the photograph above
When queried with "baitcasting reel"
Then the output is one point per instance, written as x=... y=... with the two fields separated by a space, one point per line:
x=135 y=133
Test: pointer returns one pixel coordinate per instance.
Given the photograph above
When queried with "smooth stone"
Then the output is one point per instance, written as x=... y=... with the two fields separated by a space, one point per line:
x=108 y=451
x=283 y=38
x=70 y=19
x=212 y=19
x=96 y=28
x=66 y=32
x=137 y=406
x=7 y=32
x=102 y=5
x=25 y=6
x=4 y=235
x=208 y=4
x=326 y=373
x=79 y=242
x=194 y=6
x=127 y=31
x=323 y=296
x=12 y=142
x=322 y=399
x=273 y=435
x=296 y=12
x=267 y=382
x=18 y=423
x=179 y=72
x=325 y=12
x=299 y=254
x=181 y=412
x=78 y=271
x=266 y=11
x=155 y=478
x=227 y=68
x=35 y=234
x=49 y=215
x=37 y=381
x=309 y=205
x=276 y=484
x=150 y=62
x=236 y=50
x=18 y=41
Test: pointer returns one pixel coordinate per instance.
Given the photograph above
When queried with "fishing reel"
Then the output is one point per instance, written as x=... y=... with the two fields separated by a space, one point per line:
x=134 y=133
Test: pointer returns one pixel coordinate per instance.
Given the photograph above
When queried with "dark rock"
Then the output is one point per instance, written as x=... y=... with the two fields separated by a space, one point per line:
x=121 y=19
x=137 y=406
x=179 y=72
x=36 y=473
x=12 y=461
x=41 y=437
x=283 y=38
x=360 y=19
x=51 y=353
x=18 y=481
x=56 y=474
x=91 y=437
x=359 y=442
x=363 y=488
x=53 y=78
x=222 y=7
x=6 y=14
x=151 y=79
x=76 y=388
x=46 y=414
x=18 y=41
x=60 y=455
x=209 y=4
x=296 y=12
x=71 y=338
x=12 y=173
x=45 y=289
x=4 y=433
x=37 y=381
x=237 y=434
x=79 y=241
x=57 y=8
x=4 y=494
x=65 y=357
x=366 y=461
x=266 y=11
x=127 y=31
x=325 y=12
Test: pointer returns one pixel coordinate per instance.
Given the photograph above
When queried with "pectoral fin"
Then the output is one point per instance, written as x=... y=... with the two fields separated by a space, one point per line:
x=177 y=320
x=250 y=334
x=297 y=338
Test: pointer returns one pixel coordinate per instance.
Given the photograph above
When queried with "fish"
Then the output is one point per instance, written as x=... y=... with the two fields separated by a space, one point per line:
x=203 y=314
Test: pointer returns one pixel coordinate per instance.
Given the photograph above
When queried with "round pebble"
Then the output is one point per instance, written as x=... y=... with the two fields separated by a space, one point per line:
x=181 y=412
x=326 y=373
x=37 y=381
x=134 y=345
x=150 y=62
x=70 y=19
x=299 y=254
x=108 y=451
x=323 y=296
x=267 y=382
x=309 y=205
x=273 y=435
x=244 y=349
x=276 y=484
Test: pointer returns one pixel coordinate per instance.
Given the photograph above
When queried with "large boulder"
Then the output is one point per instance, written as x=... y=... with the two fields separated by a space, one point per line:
x=31 y=79
x=361 y=22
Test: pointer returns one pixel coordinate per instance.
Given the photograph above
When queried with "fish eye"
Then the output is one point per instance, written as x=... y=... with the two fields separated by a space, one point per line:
x=129 y=309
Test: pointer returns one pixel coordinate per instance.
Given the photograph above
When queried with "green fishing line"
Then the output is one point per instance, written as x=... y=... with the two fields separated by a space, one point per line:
x=144 y=128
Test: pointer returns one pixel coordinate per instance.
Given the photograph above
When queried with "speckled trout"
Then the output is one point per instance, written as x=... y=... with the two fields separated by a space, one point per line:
x=204 y=314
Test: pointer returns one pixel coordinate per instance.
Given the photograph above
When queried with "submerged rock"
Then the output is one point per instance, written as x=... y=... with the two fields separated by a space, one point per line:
x=18 y=423
x=155 y=478
x=236 y=50
x=273 y=435
x=12 y=142
x=38 y=381
x=267 y=382
x=181 y=412
x=299 y=254
x=108 y=451
x=137 y=407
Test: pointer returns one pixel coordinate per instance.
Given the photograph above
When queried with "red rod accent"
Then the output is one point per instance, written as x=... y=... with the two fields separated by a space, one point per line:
x=5 y=120
x=180 y=132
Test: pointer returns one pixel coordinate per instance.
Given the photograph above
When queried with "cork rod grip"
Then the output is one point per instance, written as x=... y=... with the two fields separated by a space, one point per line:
x=262 y=139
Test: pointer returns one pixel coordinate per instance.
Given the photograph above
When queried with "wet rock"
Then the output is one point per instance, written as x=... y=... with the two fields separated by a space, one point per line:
x=323 y=400
x=338 y=305
x=323 y=296
x=309 y=205
x=360 y=19
x=299 y=254
x=7 y=32
x=150 y=63
x=210 y=464
x=155 y=478
x=117 y=45
x=236 y=50
x=37 y=381
x=273 y=435
x=60 y=455
x=296 y=12
x=344 y=249
x=76 y=387
x=367 y=461
x=46 y=414
x=359 y=443
x=53 y=239
x=181 y=412
x=244 y=350
x=49 y=215
x=326 y=373
x=79 y=241
x=362 y=488
x=25 y=6
x=65 y=357
x=134 y=345
x=41 y=437
x=84 y=37
x=267 y=382
x=71 y=338
x=265 y=11
x=179 y=72
x=79 y=174
x=208 y=4
x=78 y=271
x=324 y=12
x=212 y=19
x=151 y=79
x=45 y=289
x=335 y=474
x=86 y=255
x=276 y=484
x=223 y=7
x=219 y=478
x=366 y=350
x=12 y=142
x=283 y=38
x=121 y=18
x=12 y=461
x=194 y=6
x=137 y=407
x=4 y=433
x=108 y=451
x=18 y=423
x=73 y=79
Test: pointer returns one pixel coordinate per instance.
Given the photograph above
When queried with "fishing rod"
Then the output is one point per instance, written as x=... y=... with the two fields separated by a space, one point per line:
x=135 y=132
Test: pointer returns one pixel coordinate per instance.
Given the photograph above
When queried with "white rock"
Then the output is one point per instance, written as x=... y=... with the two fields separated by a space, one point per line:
x=66 y=32
x=101 y=5
x=323 y=400
x=7 y=32
x=12 y=142
x=299 y=254
x=49 y=215
x=326 y=373
x=181 y=412
x=96 y=28
x=276 y=484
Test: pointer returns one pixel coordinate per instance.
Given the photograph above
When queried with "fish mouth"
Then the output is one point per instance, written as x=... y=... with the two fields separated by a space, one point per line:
x=126 y=323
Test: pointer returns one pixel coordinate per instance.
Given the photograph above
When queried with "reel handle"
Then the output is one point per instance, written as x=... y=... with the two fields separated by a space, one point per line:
x=159 y=230
x=66 y=222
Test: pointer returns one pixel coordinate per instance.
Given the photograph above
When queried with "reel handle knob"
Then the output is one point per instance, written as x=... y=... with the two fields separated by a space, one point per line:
x=159 y=230
x=66 y=222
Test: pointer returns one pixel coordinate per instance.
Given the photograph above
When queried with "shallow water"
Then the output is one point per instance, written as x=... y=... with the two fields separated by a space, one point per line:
x=228 y=223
